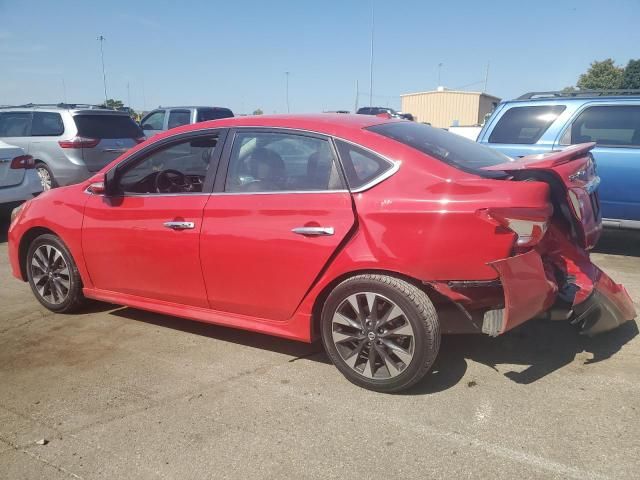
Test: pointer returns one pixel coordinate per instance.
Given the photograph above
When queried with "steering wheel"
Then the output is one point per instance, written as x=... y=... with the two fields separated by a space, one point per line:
x=170 y=181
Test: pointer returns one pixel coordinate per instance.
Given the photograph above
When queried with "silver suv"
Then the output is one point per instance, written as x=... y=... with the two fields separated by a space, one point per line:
x=68 y=141
x=166 y=118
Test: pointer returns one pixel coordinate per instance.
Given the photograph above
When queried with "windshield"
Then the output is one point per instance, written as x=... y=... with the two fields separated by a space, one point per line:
x=448 y=147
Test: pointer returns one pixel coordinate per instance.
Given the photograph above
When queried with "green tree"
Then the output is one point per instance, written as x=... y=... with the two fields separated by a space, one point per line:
x=631 y=77
x=603 y=75
x=258 y=111
x=115 y=104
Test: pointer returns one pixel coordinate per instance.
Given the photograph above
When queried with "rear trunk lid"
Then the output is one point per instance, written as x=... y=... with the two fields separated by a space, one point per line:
x=112 y=134
x=571 y=173
x=10 y=176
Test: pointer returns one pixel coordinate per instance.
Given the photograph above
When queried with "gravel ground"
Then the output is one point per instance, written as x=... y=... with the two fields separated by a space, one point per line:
x=121 y=393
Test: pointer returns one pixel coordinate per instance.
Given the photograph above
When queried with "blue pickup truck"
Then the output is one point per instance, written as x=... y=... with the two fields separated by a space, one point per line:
x=539 y=122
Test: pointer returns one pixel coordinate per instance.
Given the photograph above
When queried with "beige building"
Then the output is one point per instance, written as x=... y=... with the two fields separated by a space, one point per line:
x=445 y=108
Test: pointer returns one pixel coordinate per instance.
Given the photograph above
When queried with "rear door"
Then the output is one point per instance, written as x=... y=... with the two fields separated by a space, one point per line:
x=280 y=210
x=522 y=130
x=615 y=127
x=178 y=117
x=112 y=135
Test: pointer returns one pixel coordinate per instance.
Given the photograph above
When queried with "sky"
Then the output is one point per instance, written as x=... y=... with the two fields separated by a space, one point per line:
x=235 y=53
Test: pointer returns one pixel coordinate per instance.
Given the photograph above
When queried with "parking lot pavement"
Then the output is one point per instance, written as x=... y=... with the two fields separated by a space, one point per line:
x=121 y=393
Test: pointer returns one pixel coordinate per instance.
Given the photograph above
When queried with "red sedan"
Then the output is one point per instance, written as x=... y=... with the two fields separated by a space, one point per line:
x=375 y=235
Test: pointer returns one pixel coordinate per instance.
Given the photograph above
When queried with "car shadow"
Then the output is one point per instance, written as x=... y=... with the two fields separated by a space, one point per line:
x=539 y=347
x=619 y=242
x=4 y=227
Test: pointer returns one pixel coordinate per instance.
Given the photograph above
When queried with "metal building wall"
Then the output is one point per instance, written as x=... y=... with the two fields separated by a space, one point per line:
x=442 y=108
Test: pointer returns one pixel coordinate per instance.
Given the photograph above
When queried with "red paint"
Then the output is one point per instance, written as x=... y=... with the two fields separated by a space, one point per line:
x=242 y=266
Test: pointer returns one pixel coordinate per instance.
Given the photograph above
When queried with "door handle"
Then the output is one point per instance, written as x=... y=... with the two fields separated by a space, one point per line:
x=180 y=225
x=314 y=231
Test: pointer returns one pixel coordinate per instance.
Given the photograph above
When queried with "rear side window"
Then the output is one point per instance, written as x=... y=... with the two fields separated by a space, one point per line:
x=107 y=126
x=177 y=118
x=14 y=124
x=361 y=166
x=205 y=114
x=46 y=124
x=448 y=147
x=525 y=125
x=608 y=126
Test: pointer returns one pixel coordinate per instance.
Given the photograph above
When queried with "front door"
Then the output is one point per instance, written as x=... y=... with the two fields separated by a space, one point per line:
x=283 y=212
x=616 y=130
x=144 y=239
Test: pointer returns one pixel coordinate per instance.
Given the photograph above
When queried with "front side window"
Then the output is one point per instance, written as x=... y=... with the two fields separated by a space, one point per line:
x=154 y=121
x=177 y=118
x=15 y=124
x=46 y=124
x=176 y=168
x=608 y=126
x=272 y=162
x=525 y=125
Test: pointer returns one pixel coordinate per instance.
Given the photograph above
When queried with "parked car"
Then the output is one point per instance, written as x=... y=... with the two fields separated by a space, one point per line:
x=18 y=179
x=541 y=122
x=352 y=228
x=378 y=111
x=68 y=142
x=166 y=118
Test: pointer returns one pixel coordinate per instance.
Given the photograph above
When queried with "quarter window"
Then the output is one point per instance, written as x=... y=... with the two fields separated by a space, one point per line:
x=14 y=124
x=177 y=118
x=46 y=124
x=272 y=162
x=155 y=121
x=608 y=126
x=360 y=166
x=525 y=125
x=177 y=168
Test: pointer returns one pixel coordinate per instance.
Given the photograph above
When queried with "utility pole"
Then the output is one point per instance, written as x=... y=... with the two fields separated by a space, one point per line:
x=101 y=39
x=128 y=96
x=439 y=69
x=287 y=80
x=371 y=57
x=64 y=91
x=357 y=96
x=486 y=78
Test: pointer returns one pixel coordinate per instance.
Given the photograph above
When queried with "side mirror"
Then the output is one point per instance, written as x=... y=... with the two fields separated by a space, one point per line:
x=97 y=188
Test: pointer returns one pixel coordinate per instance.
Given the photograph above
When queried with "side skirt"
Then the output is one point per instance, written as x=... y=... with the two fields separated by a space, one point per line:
x=297 y=328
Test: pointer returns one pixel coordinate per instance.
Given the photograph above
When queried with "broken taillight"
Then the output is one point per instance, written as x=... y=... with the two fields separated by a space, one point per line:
x=529 y=224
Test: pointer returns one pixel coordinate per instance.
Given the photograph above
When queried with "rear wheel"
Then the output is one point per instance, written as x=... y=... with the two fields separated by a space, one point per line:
x=46 y=176
x=53 y=275
x=381 y=332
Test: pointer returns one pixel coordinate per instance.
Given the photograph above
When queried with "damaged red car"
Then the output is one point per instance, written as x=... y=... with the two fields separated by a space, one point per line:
x=374 y=235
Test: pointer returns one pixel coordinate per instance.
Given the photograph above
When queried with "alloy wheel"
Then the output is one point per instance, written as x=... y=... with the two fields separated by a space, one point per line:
x=45 y=178
x=50 y=274
x=373 y=335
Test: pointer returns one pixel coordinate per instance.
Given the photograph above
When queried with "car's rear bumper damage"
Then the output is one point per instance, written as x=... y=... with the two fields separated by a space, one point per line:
x=552 y=286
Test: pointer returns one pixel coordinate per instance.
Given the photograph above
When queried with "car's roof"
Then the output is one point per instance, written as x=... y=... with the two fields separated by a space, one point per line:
x=326 y=123
x=573 y=100
x=74 y=108
x=162 y=107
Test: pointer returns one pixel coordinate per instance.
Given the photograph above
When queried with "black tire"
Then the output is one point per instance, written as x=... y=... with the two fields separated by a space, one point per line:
x=66 y=301
x=42 y=167
x=416 y=309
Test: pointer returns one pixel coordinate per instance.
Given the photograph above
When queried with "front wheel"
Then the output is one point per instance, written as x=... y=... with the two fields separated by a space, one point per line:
x=53 y=275
x=381 y=332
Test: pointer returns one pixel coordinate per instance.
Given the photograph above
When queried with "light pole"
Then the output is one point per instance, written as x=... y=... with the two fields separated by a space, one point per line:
x=439 y=68
x=101 y=39
x=371 y=58
x=287 y=82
